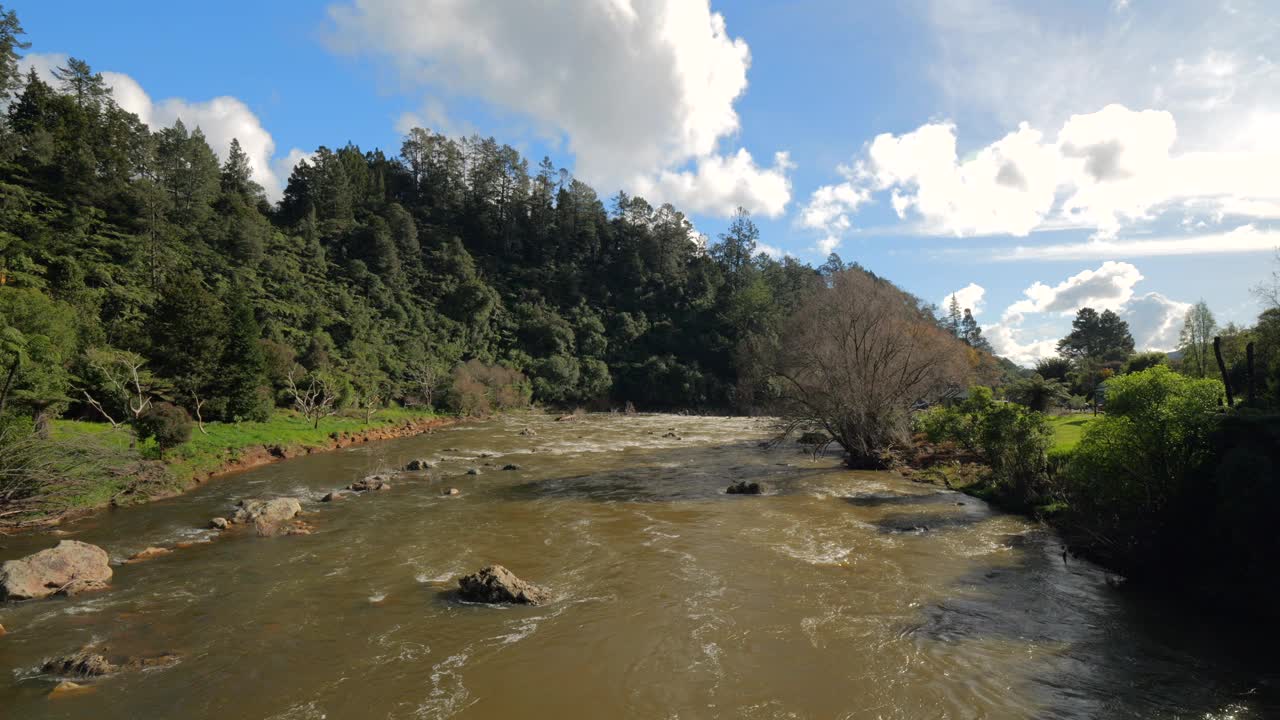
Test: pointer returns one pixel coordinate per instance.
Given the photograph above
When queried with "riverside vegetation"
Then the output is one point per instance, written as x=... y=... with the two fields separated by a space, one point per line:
x=159 y=316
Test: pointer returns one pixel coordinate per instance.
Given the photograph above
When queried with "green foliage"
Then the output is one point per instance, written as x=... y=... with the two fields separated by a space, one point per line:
x=167 y=424
x=1143 y=361
x=1013 y=440
x=1133 y=468
x=1038 y=393
x=1053 y=368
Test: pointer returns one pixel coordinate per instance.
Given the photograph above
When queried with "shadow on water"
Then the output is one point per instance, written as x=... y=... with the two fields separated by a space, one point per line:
x=1108 y=653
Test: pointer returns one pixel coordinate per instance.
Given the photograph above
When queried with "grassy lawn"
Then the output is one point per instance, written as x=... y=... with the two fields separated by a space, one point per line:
x=1067 y=430
x=202 y=454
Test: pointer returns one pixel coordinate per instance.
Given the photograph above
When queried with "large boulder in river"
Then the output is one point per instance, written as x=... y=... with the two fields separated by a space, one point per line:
x=268 y=517
x=71 y=564
x=496 y=584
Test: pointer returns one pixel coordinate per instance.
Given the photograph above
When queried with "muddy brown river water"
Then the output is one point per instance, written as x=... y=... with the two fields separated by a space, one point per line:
x=837 y=594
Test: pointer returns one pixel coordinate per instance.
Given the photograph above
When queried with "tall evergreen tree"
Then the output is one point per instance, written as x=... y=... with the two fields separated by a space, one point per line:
x=243 y=364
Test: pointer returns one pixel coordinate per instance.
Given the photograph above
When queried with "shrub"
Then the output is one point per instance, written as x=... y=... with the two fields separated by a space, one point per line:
x=1132 y=472
x=169 y=424
x=479 y=389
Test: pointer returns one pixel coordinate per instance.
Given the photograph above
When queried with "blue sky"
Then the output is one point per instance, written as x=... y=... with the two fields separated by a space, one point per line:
x=1038 y=156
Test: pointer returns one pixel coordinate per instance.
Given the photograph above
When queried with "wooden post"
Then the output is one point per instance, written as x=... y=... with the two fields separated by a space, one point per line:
x=1222 y=367
x=1253 y=388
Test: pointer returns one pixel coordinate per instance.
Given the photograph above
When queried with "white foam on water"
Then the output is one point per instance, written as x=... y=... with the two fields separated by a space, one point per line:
x=443 y=577
x=448 y=695
x=377 y=597
x=306 y=711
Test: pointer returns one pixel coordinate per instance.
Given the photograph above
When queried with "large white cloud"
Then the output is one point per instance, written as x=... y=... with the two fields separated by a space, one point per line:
x=1244 y=239
x=221 y=119
x=643 y=92
x=1154 y=320
x=1105 y=171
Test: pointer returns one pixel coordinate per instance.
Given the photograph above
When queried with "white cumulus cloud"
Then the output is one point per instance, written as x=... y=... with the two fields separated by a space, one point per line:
x=1154 y=320
x=1105 y=171
x=643 y=92
x=969 y=297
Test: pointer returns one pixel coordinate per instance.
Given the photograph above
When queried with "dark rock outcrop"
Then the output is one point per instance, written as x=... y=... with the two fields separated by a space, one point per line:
x=91 y=662
x=418 y=465
x=742 y=487
x=70 y=567
x=511 y=466
x=496 y=584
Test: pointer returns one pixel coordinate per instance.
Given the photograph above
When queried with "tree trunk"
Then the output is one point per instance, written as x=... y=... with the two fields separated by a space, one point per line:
x=8 y=384
x=1222 y=367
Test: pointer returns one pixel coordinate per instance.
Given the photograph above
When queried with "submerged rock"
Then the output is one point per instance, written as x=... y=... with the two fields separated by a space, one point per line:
x=151 y=552
x=473 y=471
x=511 y=466
x=268 y=517
x=496 y=584
x=528 y=432
x=672 y=435
x=219 y=523
x=451 y=491
x=2 y=631
x=89 y=663
x=742 y=487
x=331 y=496
x=71 y=564
x=66 y=687
x=373 y=482
x=417 y=465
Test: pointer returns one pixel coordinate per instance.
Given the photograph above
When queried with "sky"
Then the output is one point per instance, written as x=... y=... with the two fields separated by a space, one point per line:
x=1030 y=158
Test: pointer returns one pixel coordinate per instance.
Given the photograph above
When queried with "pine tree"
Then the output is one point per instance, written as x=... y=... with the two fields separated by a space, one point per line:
x=243 y=363
x=971 y=333
x=237 y=174
x=954 y=318
x=10 y=30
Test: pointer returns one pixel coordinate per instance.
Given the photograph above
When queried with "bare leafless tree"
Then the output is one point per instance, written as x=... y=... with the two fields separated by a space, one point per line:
x=120 y=373
x=313 y=395
x=425 y=379
x=1268 y=291
x=855 y=359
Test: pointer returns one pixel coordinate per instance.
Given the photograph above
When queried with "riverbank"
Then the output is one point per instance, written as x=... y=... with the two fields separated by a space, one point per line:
x=97 y=468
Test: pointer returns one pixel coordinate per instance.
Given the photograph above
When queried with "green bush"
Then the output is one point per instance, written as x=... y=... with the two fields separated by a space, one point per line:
x=1014 y=440
x=169 y=424
x=1131 y=475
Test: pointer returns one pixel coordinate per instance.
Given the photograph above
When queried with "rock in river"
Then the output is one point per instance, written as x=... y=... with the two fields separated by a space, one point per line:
x=451 y=491
x=219 y=523
x=742 y=487
x=151 y=552
x=373 y=482
x=71 y=565
x=417 y=465
x=496 y=584
x=91 y=662
x=269 y=517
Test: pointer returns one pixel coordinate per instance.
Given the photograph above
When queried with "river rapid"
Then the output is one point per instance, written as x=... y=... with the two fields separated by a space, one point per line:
x=837 y=594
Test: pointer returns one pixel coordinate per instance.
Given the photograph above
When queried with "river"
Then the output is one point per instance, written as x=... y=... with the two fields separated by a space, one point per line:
x=837 y=594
